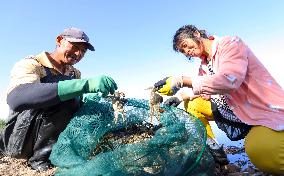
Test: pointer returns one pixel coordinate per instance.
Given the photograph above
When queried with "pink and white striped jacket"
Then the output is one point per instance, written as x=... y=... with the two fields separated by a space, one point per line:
x=251 y=92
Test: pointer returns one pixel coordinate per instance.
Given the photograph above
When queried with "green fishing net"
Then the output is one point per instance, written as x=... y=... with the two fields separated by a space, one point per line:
x=93 y=144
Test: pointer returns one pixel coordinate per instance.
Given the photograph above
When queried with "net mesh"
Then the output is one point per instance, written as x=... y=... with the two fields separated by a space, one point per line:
x=93 y=144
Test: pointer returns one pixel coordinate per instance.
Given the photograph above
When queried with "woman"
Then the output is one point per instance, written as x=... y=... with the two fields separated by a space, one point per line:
x=251 y=102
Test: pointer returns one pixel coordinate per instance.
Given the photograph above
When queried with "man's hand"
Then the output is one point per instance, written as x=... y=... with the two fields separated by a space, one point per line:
x=69 y=89
x=103 y=84
x=169 y=85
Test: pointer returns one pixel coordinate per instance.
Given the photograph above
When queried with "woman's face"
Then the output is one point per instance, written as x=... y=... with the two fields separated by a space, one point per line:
x=190 y=48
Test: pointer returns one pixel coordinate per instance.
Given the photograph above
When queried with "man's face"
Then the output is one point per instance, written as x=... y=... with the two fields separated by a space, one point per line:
x=71 y=52
x=190 y=48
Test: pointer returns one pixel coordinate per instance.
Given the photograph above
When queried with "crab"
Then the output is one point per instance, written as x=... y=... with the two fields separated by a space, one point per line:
x=154 y=104
x=118 y=102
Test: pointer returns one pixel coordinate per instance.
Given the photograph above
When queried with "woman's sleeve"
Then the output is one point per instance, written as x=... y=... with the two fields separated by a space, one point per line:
x=232 y=70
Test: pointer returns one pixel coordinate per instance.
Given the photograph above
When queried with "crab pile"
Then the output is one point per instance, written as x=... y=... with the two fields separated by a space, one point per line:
x=132 y=134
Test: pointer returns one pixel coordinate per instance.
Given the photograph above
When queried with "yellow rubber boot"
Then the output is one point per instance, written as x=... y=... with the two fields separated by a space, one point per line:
x=201 y=109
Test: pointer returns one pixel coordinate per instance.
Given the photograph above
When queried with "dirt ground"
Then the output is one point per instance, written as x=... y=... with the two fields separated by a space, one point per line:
x=18 y=167
x=241 y=167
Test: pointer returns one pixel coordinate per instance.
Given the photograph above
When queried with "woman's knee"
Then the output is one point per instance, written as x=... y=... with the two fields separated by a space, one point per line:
x=197 y=107
x=200 y=105
x=265 y=148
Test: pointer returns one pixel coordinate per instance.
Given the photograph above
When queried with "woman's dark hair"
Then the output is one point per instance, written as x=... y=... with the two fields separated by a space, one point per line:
x=187 y=31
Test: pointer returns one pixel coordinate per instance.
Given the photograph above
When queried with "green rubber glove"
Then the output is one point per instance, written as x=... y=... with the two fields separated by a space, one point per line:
x=69 y=89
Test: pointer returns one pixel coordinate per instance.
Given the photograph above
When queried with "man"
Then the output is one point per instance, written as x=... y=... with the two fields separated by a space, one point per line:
x=43 y=95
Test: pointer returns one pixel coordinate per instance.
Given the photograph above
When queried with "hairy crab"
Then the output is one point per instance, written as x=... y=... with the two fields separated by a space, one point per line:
x=118 y=101
x=154 y=104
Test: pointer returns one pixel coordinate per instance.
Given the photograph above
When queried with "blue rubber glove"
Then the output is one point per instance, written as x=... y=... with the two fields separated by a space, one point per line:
x=169 y=85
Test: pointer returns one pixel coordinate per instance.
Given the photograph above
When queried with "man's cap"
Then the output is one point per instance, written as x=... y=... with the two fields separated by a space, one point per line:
x=77 y=35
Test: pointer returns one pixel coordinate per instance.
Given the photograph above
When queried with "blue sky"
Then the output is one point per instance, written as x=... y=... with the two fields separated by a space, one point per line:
x=133 y=38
